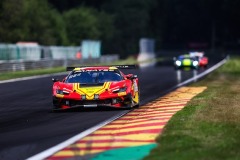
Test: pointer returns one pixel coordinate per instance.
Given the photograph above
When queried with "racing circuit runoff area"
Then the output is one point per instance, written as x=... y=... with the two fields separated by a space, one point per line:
x=29 y=130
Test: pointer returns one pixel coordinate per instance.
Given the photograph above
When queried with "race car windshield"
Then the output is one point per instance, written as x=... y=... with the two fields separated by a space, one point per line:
x=187 y=57
x=92 y=77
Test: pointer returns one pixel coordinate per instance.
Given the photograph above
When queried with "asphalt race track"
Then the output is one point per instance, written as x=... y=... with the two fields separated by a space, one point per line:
x=27 y=125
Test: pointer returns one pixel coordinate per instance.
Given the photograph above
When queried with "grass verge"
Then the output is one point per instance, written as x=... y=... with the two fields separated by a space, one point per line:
x=27 y=73
x=208 y=128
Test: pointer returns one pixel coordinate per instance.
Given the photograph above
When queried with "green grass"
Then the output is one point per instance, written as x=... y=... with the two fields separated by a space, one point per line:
x=208 y=128
x=27 y=73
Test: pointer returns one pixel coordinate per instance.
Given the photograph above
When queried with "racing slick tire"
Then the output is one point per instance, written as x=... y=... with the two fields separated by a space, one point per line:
x=55 y=104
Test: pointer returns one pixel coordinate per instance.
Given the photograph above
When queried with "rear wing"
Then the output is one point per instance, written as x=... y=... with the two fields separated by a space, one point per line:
x=117 y=66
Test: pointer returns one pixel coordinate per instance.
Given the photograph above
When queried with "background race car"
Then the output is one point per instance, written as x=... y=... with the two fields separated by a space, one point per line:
x=104 y=86
x=203 y=60
x=185 y=62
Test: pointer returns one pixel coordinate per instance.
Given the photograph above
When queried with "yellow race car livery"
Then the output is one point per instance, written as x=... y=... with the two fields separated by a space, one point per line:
x=104 y=86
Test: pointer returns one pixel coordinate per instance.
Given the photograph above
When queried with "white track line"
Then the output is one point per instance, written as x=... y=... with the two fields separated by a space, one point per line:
x=203 y=73
x=189 y=80
x=70 y=141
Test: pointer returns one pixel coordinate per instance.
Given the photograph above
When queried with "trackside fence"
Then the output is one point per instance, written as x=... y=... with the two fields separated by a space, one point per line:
x=11 y=52
x=26 y=57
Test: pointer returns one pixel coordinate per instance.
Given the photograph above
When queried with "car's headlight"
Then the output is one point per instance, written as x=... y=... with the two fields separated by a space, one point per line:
x=195 y=63
x=123 y=89
x=178 y=63
x=62 y=92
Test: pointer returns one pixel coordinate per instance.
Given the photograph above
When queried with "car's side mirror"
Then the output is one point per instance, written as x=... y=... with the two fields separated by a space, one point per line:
x=55 y=80
x=129 y=76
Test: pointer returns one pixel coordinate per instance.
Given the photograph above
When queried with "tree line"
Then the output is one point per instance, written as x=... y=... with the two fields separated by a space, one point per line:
x=120 y=24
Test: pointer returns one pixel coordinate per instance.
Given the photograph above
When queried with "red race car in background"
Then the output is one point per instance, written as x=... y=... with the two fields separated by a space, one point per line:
x=102 y=86
x=202 y=60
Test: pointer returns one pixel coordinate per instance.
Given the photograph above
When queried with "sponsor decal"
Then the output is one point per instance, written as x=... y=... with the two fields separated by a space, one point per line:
x=122 y=94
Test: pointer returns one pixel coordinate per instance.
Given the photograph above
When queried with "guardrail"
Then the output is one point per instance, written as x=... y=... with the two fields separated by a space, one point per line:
x=12 y=52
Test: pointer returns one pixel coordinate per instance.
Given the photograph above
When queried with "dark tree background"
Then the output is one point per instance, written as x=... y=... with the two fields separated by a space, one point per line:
x=119 y=24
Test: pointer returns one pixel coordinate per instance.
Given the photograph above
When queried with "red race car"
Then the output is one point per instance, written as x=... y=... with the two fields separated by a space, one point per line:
x=203 y=60
x=96 y=86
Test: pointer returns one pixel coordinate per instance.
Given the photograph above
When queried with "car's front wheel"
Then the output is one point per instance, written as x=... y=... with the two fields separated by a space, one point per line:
x=55 y=103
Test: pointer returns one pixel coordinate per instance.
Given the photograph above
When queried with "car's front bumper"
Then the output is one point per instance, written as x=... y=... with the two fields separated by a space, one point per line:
x=117 y=102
